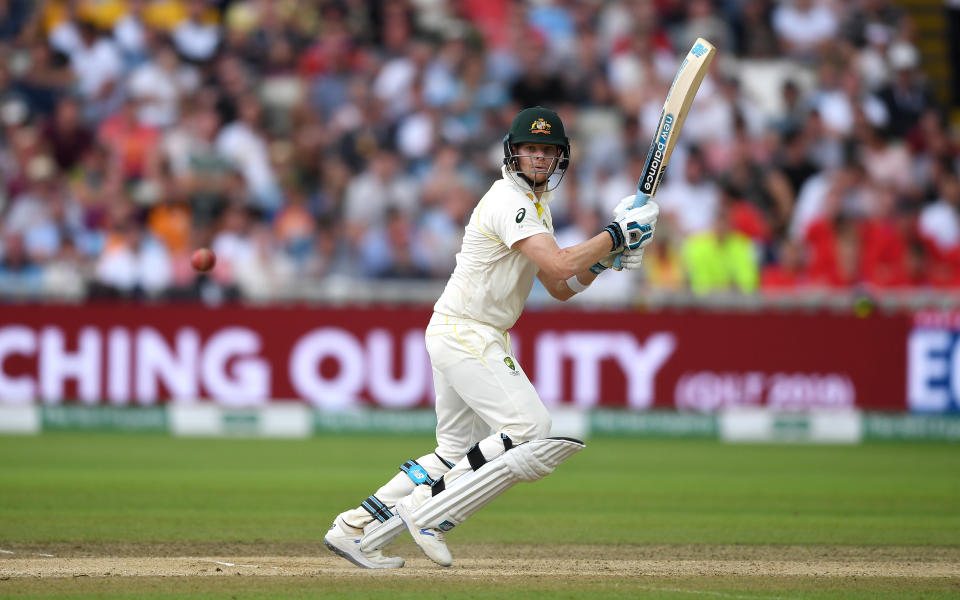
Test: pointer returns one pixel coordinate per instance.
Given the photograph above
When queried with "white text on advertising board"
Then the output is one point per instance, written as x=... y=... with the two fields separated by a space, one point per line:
x=933 y=370
x=140 y=365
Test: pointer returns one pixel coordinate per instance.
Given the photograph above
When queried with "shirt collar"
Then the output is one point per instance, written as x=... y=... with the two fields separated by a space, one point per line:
x=517 y=182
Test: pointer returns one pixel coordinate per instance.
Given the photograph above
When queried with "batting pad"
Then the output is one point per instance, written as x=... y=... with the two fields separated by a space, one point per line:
x=474 y=490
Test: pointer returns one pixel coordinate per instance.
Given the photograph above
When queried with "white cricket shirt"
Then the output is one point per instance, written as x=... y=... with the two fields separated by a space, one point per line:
x=491 y=281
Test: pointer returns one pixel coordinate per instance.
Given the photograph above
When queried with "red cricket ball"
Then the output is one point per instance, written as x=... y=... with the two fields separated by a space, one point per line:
x=203 y=259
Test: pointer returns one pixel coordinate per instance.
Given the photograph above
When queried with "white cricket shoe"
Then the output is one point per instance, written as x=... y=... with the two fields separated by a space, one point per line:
x=344 y=541
x=430 y=541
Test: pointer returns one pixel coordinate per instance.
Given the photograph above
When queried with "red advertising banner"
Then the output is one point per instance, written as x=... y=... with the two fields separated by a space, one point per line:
x=337 y=358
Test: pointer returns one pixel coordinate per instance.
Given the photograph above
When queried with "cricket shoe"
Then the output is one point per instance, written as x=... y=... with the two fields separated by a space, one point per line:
x=430 y=541
x=344 y=541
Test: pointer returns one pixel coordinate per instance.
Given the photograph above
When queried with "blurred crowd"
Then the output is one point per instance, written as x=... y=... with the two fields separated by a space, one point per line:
x=307 y=140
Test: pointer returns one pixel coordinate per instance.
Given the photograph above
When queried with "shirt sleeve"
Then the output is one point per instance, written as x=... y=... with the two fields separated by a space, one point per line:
x=512 y=219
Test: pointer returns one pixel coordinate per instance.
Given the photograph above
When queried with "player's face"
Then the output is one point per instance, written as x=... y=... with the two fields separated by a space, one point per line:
x=537 y=161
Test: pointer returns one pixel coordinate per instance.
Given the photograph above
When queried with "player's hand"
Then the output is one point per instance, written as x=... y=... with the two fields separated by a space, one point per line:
x=607 y=262
x=623 y=206
x=630 y=259
x=634 y=228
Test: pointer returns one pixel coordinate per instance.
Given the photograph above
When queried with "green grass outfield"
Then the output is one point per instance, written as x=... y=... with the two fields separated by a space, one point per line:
x=137 y=495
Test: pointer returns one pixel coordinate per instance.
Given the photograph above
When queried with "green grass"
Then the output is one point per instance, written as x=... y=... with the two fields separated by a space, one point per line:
x=141 y=489
x=75 y=487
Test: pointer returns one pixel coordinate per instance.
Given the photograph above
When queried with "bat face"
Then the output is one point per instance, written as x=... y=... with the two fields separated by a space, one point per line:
x=656 y=157
x=682 y=92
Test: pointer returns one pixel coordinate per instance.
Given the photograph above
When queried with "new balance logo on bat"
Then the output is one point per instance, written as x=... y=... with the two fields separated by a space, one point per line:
x=698 y=50
x=655 y=158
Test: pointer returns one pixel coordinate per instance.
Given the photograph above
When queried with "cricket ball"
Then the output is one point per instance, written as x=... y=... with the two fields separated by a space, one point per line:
x=203 y=259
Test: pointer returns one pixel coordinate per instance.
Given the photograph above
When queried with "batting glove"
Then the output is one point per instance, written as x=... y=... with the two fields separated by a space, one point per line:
x=634 y=228
x=631 y=259
x=607 y=262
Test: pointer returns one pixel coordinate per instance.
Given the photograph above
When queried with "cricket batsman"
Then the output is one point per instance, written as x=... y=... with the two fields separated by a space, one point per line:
x=492 y=427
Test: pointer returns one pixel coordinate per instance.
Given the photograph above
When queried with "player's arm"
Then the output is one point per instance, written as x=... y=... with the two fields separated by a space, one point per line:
x=557 y=265
x=562 y=263
x=567 y=271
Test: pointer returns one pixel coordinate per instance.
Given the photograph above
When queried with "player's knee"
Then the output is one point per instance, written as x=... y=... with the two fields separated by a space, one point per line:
x=543 y=426
x=537 y=427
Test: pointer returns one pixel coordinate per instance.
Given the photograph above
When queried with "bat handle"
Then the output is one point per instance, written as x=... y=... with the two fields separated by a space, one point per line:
x=639 y=200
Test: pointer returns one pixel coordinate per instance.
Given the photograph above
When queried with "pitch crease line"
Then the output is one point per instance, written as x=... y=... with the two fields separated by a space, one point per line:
x=226 y=564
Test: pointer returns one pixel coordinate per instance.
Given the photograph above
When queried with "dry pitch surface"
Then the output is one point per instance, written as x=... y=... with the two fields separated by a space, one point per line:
x=482 y=561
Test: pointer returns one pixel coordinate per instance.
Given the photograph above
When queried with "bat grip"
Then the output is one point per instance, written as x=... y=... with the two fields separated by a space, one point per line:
x=639 y=200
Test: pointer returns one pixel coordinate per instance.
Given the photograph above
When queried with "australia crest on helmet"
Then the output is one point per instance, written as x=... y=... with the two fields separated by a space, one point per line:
x=540 y=125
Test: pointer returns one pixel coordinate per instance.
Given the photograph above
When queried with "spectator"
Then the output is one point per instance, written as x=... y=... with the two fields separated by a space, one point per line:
x=939 y=229
x=35 y=215
x=132 y=264
x=720 y=259
x=689 y=201
x=786 y=272
x=702 y=21
x=883 y=241
x=617 y=183
x=261 y=270
x=833 y=248
x=201 y=175
x=907 y=96
x=94 y=59
x=370 y=195
x=18 y=274
x=840 y=191
x=754 y=34
x=537 y=83
x=133 y=145
x=158 y=85
x=39 y=76
x=804 y=27
x=394 y=84
x=886 y=162
x=295 y=228
x=870 y=20
x=390 y=250
x=67 y=136
x=244 y=144
x=13 y=17
x=197 y=37
x=130 y=33
x=793 y=160
x=840 y=101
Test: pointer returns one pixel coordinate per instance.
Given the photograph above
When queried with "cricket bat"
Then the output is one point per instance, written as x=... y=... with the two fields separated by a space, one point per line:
x=675 y=108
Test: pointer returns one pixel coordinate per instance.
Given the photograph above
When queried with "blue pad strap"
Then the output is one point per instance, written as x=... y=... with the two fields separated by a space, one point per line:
x=416 y=473
x=377 y=509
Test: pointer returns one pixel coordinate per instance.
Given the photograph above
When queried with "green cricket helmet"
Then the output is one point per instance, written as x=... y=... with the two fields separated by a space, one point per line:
x=536 y=125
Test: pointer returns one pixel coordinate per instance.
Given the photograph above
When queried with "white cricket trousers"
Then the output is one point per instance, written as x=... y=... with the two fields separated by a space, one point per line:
x=480 y=386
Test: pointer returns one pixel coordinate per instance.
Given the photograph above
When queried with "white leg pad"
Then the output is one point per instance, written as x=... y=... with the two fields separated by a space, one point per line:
x=377 y=535
x=526 y=462
x=474 y=490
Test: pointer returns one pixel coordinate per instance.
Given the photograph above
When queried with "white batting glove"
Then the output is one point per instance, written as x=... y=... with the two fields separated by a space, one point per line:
x=623 y=206
x=630 y=259
x=607 y=262
x=634 y=228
